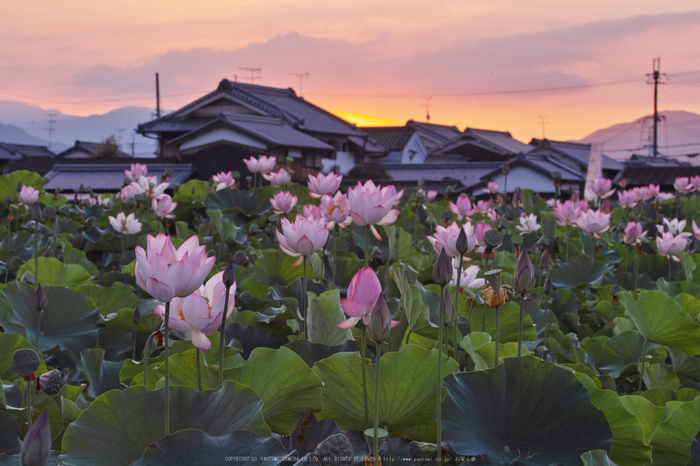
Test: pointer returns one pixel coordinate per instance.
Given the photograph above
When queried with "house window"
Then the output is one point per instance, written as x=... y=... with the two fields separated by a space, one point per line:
x=343 y=147
x=311 y=159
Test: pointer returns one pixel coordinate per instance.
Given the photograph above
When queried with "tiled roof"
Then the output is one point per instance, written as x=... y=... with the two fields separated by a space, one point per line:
x=394 y=138
x=368 y=144
x=495 y=141
x=26 y=150
x=466 y=173
x=574 y=150
x=639 y=175
x=443 y=132
x=89 y=148
x=107 y=177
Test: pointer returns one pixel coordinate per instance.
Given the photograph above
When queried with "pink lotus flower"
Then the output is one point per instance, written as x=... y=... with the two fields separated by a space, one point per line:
x=446 y=238
x=165 y=272
x=137 y=171
x=279 y=178
x=313 y=212
x=28 y=195
x=303 y=237
x=363 y=293
x=163 y=206
x=649 y=192
x=336 y=209
x=492 y=187
x=462 y=208
x=125 y=225
x=264 y=164
x=324 y=184
x=582 y=205
x=696 y=230
x=399 y=195
x=551 y=202
x=479 y=231
x=695 y=182
x=493 y=216
x=675 y=226
x=601 y=188
x=567 y=213
x=482 y=207
x=468 y=279
x=683 y=185
x=200 y=313
x=428 y=195
x=149 y=187
x=371 y=205
x=634 y=233
x=594 y=222
x=127 y=192
x=528 y=224
x=224 y=180
x=283 y=202
x=670 y=246
x=628 y=198
x=665 y=196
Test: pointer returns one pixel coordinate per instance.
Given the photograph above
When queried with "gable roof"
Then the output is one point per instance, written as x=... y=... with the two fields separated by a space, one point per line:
x=18 y=151
x=500 y=142
x=106 y=177
x=393 y=138
x=87 y=147
x=575 y=151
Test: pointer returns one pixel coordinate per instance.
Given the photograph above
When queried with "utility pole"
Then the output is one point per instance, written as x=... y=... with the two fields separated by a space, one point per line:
x=427 y=108
x=544 y=122
x=119 y=137
x=655 y=78
x=157 y=96
x=255 y=73
x=51 y=128
x=133 y=143
x=301 y=77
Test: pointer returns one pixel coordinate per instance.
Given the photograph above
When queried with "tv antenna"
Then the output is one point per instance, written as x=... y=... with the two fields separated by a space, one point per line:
x=301 y=77
x=52 y=127
x=255 y=73
x=119 y=137
x=427 y=108
x=543 y=120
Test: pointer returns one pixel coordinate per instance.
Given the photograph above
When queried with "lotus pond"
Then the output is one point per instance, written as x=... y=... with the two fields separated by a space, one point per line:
x=284 y=324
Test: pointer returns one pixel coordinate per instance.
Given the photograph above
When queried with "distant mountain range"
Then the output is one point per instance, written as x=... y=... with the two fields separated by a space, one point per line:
x=28 y=124
x=678 y=136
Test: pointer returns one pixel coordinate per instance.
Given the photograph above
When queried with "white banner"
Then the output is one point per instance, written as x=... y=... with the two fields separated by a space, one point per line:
x=595 y=167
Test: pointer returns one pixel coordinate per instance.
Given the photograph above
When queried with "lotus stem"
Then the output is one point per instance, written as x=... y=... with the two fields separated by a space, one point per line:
x=166 y=345
x=498 y=340
x=568 y=228
x=336 y=232
x=367 y=232
x=483 y=318
x=36 y=253
x=376 y=406
x=303 y=302
x=670 y=263
x=133 y=347
x=199 y=370
x=28 y=397
x=222 y=337
x=520 y=324
x=363 y=351
x=439 y=384
x=641 y=377
x=38 y=331
x=456 y=332
x=636 y=272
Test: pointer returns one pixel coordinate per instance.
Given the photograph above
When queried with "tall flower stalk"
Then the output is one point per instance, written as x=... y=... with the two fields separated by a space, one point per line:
x=166 y=347
x=442 y=274
x=523 y=283
x=228 y=280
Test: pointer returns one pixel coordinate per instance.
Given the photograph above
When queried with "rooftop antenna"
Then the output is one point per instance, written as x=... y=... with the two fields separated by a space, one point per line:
x=427 y=108
x=157 y=96
x=301 y=77
x=119 y=137
x=255 y=73
x=52 y=127
x=656 y=78
x=544 y=122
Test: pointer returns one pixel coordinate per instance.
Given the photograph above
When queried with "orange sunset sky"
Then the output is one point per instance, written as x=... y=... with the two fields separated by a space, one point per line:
x=478 y=60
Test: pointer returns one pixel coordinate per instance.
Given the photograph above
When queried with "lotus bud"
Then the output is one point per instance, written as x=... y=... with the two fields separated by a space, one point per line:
x=36 y=212
x=51 y=382
x=40 y=299
x=25 y=362
x=229 y=275
x=246 y=297
x=605 y=206
x=622 y=183
x=462 y=243
x=442 y=270
x=506 y=168
x=449 y=314
x=380 y=322
x=36 y=446
x=19 y=187
x=494 y=278
x=524 y=274
x=548 y=286
x=136 y=316
x=544 y=259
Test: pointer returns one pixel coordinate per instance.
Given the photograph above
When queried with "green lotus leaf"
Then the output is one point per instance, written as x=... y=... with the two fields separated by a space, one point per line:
x=69 y=321
x=323 y=314
x=119 y=426
x=9 y=434
x=620 y=351
x=101 y=375
x=523 y=408
x=249 y=203
x=597 y=458
x=579 y=271
x=196 y=448
x=673 y=438
x=275 y=268
x=8 y=182
x=406 y=390
x=111 y=299
x=9 y=343
x=53 y=272
x=661 y=320
x=508 y=322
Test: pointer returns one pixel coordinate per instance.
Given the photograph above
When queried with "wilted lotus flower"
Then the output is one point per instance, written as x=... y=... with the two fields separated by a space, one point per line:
x=528 y=224
x=492 y=187
x=279 y=178
x=125 y=225
x=633 y=233
x=674 y=226
x=601 y=187
x=28 y=195
x=336 y=209
x=163 y=206
x=479 y=231
x=283 y=202
x=363 y=293
x=428 y=196
x=303 y=237
x=628 y=198
x=670 y=246
x=594 y=222
x=442 y=270
x=468 y=279
x=36 y=446
x=137 y=171
x=567 y=213
x=127 y=192
x=199 y=314
x=380 y=323
x=224 y=180
x=372 y=205
x=696 y=230
x=166 y=273
x=683 y=185
x=524 y=274
x=462 y=208
x=446 y=238
x=149 y=187
x=263 y=165
x=313 y=212
x=324 y=184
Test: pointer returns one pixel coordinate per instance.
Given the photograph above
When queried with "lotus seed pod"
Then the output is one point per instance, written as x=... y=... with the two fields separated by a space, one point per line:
x=25 y=362
x=51 y=382
x=493 y=238
x=336 y=450
x=246 y=297
x=240 y=258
